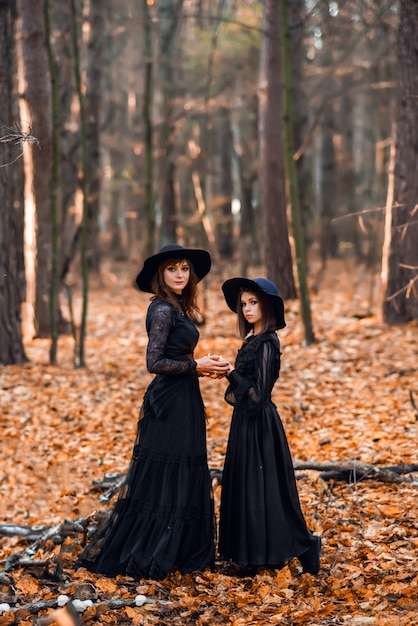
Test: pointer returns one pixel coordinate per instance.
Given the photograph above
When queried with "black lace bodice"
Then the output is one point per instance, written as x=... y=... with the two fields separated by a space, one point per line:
x=257 y=369
x=172 y=337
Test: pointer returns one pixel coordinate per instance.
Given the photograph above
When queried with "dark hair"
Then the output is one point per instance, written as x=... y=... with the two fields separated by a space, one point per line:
x=189 y=293
x=267 y=311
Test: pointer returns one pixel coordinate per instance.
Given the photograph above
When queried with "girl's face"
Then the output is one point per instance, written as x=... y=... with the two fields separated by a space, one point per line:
x=176 y=276
x=251 y=310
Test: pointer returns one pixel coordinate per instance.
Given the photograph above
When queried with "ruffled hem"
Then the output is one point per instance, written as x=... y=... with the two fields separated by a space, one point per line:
x=163 y=520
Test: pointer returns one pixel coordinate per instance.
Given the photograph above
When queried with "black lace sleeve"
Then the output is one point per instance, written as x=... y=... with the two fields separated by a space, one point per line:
x=159 y=323
x=248 y=396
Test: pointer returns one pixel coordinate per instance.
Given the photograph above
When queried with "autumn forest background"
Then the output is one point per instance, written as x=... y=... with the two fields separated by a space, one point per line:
x=282 y=136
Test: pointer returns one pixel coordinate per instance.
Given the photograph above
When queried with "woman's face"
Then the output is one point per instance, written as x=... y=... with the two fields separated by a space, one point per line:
x=177 y=275
x=251 y=309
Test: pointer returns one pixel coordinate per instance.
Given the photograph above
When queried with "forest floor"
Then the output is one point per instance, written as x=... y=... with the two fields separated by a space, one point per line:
x=347 y=397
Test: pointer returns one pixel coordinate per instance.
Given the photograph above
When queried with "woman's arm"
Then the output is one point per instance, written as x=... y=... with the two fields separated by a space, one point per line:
x=160 y=319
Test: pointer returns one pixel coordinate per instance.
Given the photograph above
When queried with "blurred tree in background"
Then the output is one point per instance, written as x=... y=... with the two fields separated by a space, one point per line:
x=180 y=142
x=12 y=279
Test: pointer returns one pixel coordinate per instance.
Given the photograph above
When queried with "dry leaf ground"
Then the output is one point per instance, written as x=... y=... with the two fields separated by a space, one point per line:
x=343 y=398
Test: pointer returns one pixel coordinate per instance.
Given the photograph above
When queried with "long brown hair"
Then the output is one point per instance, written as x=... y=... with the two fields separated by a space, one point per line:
x=267 y=311
x=189 y=293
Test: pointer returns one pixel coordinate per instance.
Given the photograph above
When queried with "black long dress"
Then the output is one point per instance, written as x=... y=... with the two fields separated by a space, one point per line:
x=261 y=522
x=164 y=517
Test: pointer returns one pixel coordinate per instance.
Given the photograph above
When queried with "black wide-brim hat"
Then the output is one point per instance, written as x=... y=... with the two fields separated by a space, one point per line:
x=200 y=260
x=234 y=286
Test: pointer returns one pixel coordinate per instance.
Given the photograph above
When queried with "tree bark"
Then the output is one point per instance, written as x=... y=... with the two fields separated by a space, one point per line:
x=93 y=113
x=277 y=252
x=300 y=112
x=293 y=186
x=245 y=146
x=401 y=271
x=169 y=13
x=54 y=187
x=326 y=159
x=79 y=351
x=149 y=209
x=36 y=112
x=11 y=236
x=222 y=191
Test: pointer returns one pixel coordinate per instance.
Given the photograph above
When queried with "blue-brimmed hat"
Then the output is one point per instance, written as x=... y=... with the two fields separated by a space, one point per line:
x=233 y=286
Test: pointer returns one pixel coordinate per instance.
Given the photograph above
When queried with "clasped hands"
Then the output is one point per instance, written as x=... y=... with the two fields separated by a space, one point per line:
x=213 y=365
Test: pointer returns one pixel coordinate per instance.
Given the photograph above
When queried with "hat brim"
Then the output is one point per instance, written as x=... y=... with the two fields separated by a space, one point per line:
x=232 y=287
x=200 y=259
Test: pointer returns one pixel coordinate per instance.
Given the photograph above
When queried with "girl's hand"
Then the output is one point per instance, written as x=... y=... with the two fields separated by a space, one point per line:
x=212 y=365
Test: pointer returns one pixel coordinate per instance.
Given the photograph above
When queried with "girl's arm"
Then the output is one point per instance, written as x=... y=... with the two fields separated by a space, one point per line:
x=248 y=396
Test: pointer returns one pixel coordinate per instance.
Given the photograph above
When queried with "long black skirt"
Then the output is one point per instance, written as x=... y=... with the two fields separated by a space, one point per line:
x=261 y=521
x=164 y=517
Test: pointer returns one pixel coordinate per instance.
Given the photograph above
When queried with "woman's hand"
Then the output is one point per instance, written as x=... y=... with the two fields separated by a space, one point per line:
x=212 y=365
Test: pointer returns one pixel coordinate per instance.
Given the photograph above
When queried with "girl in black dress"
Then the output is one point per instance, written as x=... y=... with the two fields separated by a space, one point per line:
x=164 y=517
x=261 y=522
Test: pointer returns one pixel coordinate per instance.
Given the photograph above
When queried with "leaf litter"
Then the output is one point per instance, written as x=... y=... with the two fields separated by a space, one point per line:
x=344 y=398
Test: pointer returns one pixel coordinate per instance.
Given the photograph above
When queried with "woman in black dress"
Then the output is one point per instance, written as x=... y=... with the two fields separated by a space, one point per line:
x=261 y=522
x=164 y=517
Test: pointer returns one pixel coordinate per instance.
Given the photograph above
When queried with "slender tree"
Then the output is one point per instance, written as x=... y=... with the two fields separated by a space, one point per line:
x=11 y=345
x=285 y=38
x=244 y=133
x=149 y=208
x=54 y=188
x=222 y=191
x=300 y=100
x=278 y=257
x=326 y=161
x=80 y=347
x=169 y=16
x=93 y=117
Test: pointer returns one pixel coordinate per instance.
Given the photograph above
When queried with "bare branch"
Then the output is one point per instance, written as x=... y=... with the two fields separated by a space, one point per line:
x=408 y=288
x=17 y=137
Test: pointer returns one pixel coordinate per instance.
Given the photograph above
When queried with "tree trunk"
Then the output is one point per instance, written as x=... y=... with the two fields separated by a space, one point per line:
x=93 y=112
x=11 y=346
x=293 y=186
x=245 y=146
x=36 y=112
x=326 y=159
x=69 y=141
x=54 y=185
x=79 y=351
x=223 y=190
x=149 y=208
x=300 y=113
x=278 y=257
x=170 y=11
x=400 y=270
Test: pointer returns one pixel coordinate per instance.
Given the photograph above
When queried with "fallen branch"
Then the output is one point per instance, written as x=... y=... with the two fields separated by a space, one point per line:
x=56 y=533
x=54 y=603
x=25 y=532
x=348 y=471
x=353 y=471
x=112 y=482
